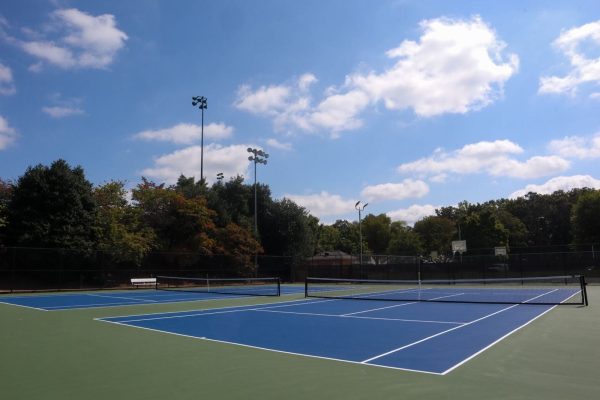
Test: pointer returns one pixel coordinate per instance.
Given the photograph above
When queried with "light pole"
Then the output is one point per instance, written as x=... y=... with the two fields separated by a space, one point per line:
x=360 y=209
x=258 y=157
x=200 y=101
x=220 y=177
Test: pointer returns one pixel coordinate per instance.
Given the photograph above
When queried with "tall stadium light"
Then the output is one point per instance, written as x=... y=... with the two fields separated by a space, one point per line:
x=258 y=157
x=220 y=177
x=200 y=101
x=360 y=209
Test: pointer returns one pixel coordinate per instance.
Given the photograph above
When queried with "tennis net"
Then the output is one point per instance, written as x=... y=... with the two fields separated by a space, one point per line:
x=541 y=290
x=231 y=286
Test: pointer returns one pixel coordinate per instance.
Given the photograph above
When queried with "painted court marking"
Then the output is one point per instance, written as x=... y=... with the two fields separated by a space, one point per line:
x=159 y=323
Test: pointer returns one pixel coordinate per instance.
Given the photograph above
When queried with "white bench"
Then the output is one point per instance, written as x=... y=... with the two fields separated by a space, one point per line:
x=143 y=282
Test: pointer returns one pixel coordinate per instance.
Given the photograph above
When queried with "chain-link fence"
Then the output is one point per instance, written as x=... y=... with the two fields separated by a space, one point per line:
x=26 y=269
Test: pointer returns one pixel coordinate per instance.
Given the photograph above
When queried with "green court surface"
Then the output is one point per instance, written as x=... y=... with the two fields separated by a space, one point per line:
x=69 y=354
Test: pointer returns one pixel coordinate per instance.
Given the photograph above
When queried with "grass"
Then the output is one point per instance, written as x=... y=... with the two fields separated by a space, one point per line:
x=68 y=354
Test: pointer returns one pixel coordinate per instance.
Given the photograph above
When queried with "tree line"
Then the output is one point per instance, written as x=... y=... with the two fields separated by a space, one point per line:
x=55 y=206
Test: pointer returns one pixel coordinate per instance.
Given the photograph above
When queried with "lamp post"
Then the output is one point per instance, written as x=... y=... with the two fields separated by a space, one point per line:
x=360 y=209
x=200 y=101
x=258 y=157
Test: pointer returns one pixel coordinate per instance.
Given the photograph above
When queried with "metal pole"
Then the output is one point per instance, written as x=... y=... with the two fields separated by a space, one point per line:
x=360 y=238
x=255 y=203
x=202 y=148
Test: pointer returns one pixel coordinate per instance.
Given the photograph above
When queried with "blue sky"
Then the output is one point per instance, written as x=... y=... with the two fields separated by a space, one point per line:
x=406 y=105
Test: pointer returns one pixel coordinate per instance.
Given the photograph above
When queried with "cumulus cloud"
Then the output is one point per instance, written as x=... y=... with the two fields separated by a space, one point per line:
x=406 y=189
x=577 y=146
x=187 y=133
x=584 y=69
x=77 y=40
x=230 y=160
x=494 y=158
x=279 y=145
x=7 y=86
x=8 y=134
x=456 y=66
x=62 y=112
x=564 y=183
x=413 y=213
x=323 y=204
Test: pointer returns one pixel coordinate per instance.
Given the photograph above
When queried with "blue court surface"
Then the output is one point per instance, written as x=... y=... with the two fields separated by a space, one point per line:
x=417 y=336
x=68 y=301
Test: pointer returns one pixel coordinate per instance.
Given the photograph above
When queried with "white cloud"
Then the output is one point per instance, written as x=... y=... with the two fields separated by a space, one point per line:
x=7 y=134
x=267 y=100
x=323 y=204
x=493 y=158
x=338 y=112
x=455 y=67
x=7 y=86
x=230 y=160
x=565 y=183
x=84 y=41
x=583 y=69
x=407 y=189
x=413 y=213
x=62 y=112
x=577 y=147
x=187 y=133
x=279 y=145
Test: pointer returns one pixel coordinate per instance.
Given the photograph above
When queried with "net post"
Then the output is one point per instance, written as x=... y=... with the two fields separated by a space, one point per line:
x=583 y=290
x=306 y=287
x=278 y=286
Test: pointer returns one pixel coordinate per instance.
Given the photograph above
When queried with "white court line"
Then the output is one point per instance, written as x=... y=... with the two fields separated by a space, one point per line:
x=402 y=305
x=268 y=349
x=450 y=330
x=503 y=337
x=200 y=313
x=118 y=297
x=21 y=305
x=350 y=316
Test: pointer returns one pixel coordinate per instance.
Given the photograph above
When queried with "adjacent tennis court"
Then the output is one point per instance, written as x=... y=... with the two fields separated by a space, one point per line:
x=173 y=290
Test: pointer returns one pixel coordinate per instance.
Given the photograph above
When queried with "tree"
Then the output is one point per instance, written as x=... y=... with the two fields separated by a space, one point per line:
x=404 y=240
x=436 y=233
x=179 y=223
x=5 y=196
x=349 y=237
x=189 y=188
x=586 y=218
x=52 y=207
x=376 y=231
x=119 y=228
x=328 y=238
x=286 y=230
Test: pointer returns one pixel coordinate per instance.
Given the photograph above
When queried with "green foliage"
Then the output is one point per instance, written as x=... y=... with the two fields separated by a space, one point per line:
x=436 y=233
x=586 y=218
x=404 y=240
x=286 y=230
x=376 y=232
x=349 y=237
x=328 y=238
x=178 y=223
x=52 y=207
x=120 y=231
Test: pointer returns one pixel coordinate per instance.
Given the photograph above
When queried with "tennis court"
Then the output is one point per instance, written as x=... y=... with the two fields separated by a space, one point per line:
x=428 y=336
x=173 y=292
x=297 y=348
